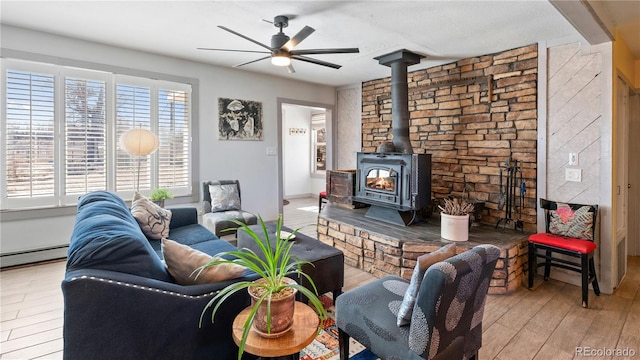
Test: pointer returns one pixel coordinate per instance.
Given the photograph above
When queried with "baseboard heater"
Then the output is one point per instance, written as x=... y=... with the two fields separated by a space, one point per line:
x=32 y=256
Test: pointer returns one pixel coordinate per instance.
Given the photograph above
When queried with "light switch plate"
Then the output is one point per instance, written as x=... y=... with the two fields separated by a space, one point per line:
x=271 y=151
x=573 y=175
x=573 y=159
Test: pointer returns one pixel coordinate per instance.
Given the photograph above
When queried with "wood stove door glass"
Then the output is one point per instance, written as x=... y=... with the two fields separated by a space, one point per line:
x=381 y=179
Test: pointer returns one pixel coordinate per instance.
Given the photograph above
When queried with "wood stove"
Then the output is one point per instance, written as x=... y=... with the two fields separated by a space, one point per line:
x=396 y=185
x=395 y=181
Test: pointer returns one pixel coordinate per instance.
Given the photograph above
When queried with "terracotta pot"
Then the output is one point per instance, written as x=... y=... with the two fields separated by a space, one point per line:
x=281 y=314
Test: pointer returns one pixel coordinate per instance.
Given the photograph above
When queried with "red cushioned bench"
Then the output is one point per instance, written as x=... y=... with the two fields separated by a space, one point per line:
x=570 y=231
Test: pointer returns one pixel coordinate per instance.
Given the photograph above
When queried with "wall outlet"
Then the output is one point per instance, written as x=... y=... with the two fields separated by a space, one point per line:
x=573 y=175
x=573 y=158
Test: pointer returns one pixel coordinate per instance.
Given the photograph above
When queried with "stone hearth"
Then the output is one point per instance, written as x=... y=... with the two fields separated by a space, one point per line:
x=384 y=249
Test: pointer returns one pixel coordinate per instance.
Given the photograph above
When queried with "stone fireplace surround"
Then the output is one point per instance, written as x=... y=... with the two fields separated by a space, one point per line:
x=384 y=249
x=470 y=115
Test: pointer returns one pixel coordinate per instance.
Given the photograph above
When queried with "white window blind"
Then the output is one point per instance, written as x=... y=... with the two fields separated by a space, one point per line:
x=133 y=110
x=85 y=136
x=173 y=132
x=60 y=128
x=29 y=135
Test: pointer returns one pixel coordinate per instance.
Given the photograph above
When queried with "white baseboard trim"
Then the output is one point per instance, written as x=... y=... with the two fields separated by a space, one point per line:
x=27 y=257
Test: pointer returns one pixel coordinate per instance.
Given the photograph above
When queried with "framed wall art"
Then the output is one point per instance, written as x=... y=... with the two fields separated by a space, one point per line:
x=239 y=119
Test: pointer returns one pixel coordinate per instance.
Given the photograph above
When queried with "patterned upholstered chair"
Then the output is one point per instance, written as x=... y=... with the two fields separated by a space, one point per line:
x=220 y=203
x=446 y=322
x=568 y=243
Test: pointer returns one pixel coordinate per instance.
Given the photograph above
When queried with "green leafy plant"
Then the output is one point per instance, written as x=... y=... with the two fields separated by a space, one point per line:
x=273 y=264
x=160 y=194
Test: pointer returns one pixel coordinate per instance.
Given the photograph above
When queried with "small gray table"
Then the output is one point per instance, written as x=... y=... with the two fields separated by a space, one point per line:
x=327 y=271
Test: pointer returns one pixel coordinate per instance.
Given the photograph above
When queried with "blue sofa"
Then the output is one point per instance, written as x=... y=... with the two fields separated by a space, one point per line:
x=121 y=303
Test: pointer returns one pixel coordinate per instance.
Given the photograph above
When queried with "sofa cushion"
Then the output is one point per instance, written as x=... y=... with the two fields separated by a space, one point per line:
x=192 y=234
x=214 y=247
x=107 y=237
x=422 y=264
x=154 y=220
x=183 y=260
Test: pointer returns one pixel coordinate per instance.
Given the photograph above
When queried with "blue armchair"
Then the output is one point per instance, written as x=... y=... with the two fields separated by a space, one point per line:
x=446 y=322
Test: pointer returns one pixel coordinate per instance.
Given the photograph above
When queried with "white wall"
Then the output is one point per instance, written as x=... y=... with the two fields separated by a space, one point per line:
x=243 y=160
x=296 y=151
x=579 y=120
x=349 y=127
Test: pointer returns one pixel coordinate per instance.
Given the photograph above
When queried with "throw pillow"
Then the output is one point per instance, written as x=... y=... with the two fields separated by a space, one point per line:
x=183 y=260
x=153 y=220
x=422 y=264
x=224 y=197
x=572 y=223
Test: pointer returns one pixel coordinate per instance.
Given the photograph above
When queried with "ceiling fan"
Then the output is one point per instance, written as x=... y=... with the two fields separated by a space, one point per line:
x=282 y=47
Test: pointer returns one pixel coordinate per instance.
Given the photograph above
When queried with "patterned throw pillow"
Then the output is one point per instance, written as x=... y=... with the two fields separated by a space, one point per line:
x=224 y=197
x=182 y=260
x=572 y=223
x=422 y=264
x=153 y=220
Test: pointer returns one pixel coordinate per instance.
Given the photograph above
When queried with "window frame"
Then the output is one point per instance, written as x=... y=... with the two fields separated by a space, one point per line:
x=110 y=78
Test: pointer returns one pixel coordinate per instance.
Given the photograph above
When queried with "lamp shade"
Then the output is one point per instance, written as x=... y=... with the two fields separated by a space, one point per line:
x=139 y=142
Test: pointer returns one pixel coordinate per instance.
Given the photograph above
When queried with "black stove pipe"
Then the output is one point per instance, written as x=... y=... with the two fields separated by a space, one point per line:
x=399 y=61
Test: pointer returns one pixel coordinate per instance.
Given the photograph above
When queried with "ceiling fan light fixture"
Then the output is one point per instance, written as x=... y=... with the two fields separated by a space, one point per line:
x=281 y=60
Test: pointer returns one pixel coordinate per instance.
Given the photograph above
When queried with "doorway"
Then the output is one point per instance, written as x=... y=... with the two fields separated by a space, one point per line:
x=633 y=186
x=305 y=138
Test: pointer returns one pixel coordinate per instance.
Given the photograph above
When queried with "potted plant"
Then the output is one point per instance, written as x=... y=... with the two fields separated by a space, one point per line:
x=454 y=219
x=158 y=196
x=273 y=290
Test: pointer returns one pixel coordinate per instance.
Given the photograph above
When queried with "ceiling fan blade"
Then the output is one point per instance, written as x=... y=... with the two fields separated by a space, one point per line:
x=290 y=69
x=297 y=38
x=252 y=61
x=245 y=37
x=245 y=51
x=316 y=61
x=325 y=51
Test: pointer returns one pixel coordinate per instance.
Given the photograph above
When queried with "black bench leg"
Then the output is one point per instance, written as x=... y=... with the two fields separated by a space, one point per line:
x=592 y=270
x=532 y=263
x=584 y=262
x=343 y=343
x=547 y=265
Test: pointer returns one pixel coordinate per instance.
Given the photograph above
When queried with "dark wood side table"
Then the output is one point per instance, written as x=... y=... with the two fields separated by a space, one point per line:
x=304 y=330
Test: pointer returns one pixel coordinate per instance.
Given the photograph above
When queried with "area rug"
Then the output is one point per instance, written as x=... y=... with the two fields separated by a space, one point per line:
x=325 y=346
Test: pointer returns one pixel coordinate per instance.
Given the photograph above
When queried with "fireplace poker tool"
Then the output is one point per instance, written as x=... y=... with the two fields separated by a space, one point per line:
x=509 y=195
x=523 y=190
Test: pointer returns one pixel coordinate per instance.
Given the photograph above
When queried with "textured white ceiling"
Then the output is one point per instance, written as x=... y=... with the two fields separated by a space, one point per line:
x=444 y=31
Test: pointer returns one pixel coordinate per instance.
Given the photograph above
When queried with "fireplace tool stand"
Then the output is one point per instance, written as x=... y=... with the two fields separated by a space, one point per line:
x=510 y=199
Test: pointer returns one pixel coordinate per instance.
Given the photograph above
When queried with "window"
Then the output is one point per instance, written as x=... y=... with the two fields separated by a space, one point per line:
x=318 y=143
x=60 y=130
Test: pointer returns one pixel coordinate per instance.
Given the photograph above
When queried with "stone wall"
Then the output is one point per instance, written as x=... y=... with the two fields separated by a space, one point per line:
x=471 y=116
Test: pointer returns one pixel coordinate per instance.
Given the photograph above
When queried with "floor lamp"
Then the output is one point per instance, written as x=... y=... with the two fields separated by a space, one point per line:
x=139 y=142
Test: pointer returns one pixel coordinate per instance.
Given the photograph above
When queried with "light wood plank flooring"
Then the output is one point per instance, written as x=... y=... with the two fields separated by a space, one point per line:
x=547 y=323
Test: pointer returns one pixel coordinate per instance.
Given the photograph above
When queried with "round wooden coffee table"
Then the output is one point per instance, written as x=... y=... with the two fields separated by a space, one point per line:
x=304 y=330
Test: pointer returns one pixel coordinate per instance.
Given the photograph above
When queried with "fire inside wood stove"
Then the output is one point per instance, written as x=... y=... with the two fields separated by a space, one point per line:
x=381 y=180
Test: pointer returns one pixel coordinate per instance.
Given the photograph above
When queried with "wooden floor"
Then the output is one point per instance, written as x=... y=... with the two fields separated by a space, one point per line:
x=547 y=323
